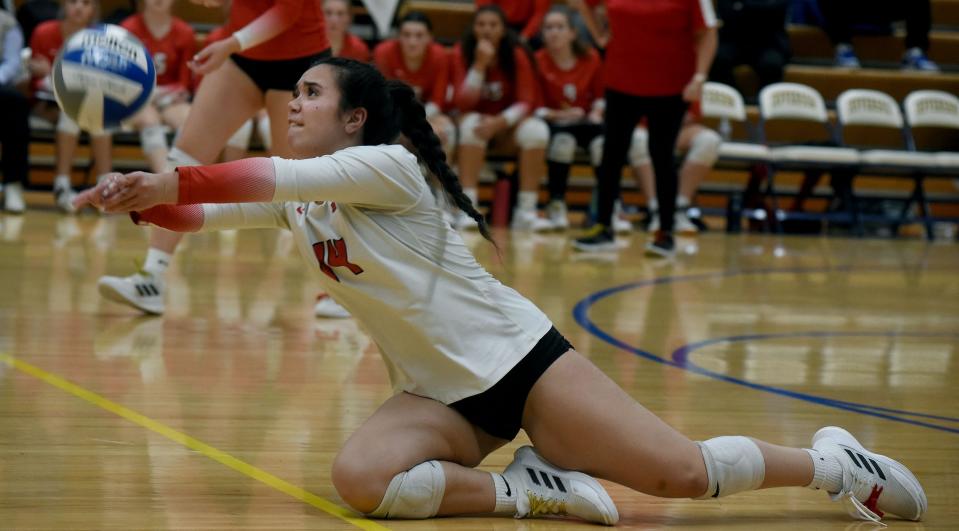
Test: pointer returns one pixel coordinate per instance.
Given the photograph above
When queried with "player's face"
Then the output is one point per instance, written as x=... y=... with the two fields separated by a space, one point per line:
x=489 y=26
x=79 y=12
x=414 y=38
x=316 y=125
x=336 y=15
x=159 y=6
x=557 y=32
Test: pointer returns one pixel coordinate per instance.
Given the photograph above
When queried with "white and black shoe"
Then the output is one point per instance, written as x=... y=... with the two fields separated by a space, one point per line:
x=872 y=484
x=545 y=490
x=141 y=290
x=558 y=215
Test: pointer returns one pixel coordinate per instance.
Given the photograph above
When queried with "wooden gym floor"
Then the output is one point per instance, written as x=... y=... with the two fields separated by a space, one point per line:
x=227 y=411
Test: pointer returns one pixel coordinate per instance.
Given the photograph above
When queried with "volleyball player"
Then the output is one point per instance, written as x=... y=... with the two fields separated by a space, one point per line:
x=338 y=18
x=471 y=360
x=271 y=43
x=495 y=88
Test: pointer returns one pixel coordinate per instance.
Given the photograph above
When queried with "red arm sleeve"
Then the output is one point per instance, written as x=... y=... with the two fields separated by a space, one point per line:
x=180 y=218
x=240 y=181
x=540 y=7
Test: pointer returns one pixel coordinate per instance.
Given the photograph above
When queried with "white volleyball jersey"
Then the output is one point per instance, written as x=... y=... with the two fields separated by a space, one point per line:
x=367 y=222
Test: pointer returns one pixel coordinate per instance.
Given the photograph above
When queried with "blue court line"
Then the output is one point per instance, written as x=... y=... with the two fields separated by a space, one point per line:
x=680 y=357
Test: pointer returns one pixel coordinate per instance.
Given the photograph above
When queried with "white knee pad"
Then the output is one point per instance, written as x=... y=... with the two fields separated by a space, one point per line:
x=596 y=151
x=467 y=131
x=241 y=138
x=263 y=127
x=532 y=133
x=639 y=147
x=178 y=157
x=66 y=125
x=704 y=148
x=153 y=138
x=416 y=493
x=733 y=464
x=562 y=148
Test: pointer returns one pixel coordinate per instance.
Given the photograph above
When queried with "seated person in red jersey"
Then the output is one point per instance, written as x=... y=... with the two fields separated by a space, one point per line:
x=495 y=88
x=413 y=57
x=338 y=18
x=172 y=43
x=524 y=16
x=45 y=44
x=570 y=75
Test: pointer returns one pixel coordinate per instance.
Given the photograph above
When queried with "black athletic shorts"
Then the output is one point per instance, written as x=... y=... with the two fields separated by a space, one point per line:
x=583 y=131
x=279 y=74
x=499 y=409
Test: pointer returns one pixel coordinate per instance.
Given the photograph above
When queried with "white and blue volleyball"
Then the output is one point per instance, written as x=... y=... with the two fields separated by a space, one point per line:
x=103 y=76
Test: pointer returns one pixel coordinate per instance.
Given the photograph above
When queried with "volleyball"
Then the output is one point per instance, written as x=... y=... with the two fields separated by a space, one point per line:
x=103 y=76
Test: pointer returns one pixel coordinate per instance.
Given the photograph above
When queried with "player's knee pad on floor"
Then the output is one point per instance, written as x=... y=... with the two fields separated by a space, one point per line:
x=178 y=157
x=65 y=124
x=153 y=138
x=416 y=493
x=467 y=130
x=596 y=151
x=639 y=147
x=241 y=138
x=532 y=133
x=704 y=148
x=562 y=148
x=733 y=464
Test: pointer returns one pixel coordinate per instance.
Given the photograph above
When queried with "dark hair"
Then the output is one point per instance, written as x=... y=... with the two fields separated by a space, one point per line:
x=580 y=48
x=392 y=108
x=507 y=45
x=416 y=16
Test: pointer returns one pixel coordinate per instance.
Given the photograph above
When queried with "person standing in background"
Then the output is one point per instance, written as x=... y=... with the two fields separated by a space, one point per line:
x=15 y=127
x=654 y=73
x=753 y=33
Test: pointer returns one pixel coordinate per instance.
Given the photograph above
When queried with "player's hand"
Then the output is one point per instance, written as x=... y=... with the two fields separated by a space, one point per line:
x=39 y=66
x=484 y=54
x=131 y=192
x=208 y=3
x=214 y=55
x=489 y=126
x=595 y=116
x=694 y=90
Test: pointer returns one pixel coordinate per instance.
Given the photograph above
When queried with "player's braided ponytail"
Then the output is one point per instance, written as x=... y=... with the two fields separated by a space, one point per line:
x=391 y=109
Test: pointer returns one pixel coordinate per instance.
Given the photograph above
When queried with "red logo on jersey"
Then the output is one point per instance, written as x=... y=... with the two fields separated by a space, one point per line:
x=333 y=205
x=332 y=253
x=299 y=210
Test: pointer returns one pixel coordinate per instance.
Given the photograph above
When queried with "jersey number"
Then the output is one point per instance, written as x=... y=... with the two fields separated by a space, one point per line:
x=332 y=253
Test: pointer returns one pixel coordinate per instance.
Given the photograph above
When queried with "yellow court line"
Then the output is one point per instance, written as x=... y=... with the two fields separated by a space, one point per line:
x=193 y=444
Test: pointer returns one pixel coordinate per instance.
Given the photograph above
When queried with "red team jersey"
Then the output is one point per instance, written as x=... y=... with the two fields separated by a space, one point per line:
x=171 y=52
x=301 y=22
x=46 y=41
x=525 y=13
x=354 y=48
x=499 y=91
x=651 y=51
x=429 y=82
x=578 y=87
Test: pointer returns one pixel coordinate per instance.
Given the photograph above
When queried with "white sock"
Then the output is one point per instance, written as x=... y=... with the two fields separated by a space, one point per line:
x=827 y=474
x=157 y=262
x=506 y=493
x=472 y=194
x=682 y=201
x=61 y=181
x=526 y=201
x=652 y=204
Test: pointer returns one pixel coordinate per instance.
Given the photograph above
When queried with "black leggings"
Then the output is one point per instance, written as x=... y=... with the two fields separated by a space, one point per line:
x=664 y=115
x=14 y=134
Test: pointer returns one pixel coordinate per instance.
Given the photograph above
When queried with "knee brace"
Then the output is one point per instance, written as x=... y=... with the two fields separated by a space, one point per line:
x=153 y=138
x=416 y=493
x=532 y=133
x=639 y=148
x=596 y=151
x=467 y=131
x=263 y=128
x=562 y=148
x=704 y=148
x=241 y=138
x=178 y=157
x=733 y=464
x=65 y=124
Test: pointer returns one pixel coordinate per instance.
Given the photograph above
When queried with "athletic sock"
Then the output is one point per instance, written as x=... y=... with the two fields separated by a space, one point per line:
x=157 y=262
x=827 y=474
x=506 y=493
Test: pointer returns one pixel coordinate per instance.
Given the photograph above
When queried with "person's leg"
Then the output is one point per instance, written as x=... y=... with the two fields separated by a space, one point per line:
x=837 y=15
x=531 y=137
x=65 y=147
x=470 y=157
x=277 y=102
x=701 y=145
x=102 y=147
x=725 y=62
x=153 y=140
x=665 y=119
x=175 y=114
x=14 y=138
x=418 y=430
x=446 y=131
x=918 y=16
